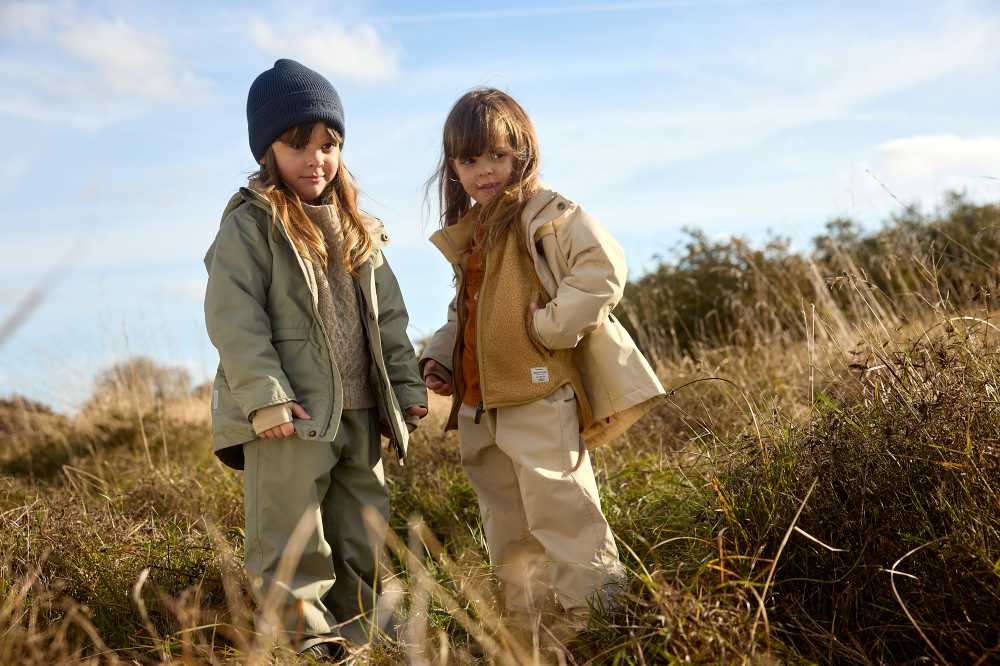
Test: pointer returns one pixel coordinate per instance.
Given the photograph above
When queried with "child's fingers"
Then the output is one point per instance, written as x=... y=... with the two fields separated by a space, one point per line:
x=416 y=410
x=278 y=431
x=433 y=382
x=299 y=412
x=444 y=389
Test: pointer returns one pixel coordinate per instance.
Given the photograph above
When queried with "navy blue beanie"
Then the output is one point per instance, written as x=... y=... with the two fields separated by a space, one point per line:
x=289 y=94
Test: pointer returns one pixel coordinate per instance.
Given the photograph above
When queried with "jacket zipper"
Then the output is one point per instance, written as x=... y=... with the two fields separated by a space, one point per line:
x=479 y=343
x=381 y=387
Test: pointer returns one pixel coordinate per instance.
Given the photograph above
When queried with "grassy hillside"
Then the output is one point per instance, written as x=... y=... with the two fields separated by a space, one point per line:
x=820 y=485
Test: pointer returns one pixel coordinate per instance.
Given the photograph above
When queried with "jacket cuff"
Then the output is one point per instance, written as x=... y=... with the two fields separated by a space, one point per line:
x=265 y=392
x=409 y=395
x=444 y=373
x=412 y=421
x=268 y=417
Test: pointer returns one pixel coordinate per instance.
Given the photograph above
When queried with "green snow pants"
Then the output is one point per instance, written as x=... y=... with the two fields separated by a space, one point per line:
x=332 y=592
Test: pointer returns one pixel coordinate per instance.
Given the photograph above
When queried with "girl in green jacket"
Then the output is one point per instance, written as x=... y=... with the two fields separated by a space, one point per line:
x=314 y=363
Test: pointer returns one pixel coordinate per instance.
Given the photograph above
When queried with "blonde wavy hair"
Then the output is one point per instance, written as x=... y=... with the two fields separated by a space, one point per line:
x=354 y=243
x=483 y=120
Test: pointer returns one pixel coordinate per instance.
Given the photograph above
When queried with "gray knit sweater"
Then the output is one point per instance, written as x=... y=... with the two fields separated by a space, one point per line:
x=341 y=314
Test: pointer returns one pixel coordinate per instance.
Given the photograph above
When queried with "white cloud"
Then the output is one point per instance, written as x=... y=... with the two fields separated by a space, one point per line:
x=919 y=169
x=356 y=53
x=941 y=154
x=130 y=63
x=31 y=18
x=88 y=72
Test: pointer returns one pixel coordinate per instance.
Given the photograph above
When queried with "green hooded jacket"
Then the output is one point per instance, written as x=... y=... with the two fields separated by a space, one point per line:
x=261 y=311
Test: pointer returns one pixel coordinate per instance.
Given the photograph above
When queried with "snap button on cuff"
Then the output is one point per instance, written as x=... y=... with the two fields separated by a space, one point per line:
x=560 y=205
x=312 y=433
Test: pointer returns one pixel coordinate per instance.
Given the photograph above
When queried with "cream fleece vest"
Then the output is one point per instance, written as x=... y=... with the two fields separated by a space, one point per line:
x=514 y=367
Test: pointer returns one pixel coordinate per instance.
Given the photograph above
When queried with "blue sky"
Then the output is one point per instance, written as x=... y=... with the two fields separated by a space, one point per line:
x=124 y=131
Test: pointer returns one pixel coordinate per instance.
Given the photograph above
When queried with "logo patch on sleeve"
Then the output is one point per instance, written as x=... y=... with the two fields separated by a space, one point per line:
x=539 y=375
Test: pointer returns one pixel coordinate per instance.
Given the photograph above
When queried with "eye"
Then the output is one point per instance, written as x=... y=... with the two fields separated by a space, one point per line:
x=328 y=147
x=467 y=161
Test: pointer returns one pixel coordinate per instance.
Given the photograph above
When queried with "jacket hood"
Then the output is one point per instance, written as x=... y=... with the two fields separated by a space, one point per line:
x=374 y=226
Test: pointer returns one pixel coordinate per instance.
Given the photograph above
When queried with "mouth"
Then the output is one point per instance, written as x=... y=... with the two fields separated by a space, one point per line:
x=315 y=180
x=489 y=187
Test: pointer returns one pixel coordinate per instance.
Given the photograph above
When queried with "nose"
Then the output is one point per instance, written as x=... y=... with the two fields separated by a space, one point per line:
x=315 y=157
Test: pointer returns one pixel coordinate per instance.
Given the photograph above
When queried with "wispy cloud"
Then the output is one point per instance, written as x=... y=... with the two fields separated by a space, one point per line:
x=817 y=78
x=357 y=52
x=85 y=71
x=556 y=10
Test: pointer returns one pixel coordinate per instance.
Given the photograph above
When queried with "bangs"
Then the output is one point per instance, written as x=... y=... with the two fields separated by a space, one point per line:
x=477 y=128
x=297 y=136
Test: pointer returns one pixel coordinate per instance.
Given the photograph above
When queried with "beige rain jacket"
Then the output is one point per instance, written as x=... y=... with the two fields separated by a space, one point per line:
x=582 y=269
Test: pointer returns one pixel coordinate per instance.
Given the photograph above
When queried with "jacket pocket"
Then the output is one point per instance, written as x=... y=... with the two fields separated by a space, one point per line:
x=529 y=324
x=308 y=372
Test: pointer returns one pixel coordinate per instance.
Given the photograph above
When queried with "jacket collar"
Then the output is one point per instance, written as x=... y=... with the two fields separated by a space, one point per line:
x=453 y=241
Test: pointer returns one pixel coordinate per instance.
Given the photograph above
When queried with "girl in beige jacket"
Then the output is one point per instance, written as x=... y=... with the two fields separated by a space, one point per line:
x=537 y=366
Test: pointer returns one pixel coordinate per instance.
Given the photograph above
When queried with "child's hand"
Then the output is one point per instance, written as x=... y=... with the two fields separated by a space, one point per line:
x=533 y=308
x=415 y=410
x=286 y=429
x=433 y=379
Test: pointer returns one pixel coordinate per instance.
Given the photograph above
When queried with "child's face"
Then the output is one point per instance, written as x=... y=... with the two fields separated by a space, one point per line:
x=484 y=176
x=307 y=170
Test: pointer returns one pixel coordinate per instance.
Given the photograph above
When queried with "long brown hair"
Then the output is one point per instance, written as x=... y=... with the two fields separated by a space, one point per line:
x=482 y=120
x=354 y=242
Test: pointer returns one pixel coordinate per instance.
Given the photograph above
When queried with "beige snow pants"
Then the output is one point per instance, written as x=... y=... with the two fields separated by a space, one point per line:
x=332 y=591
x=544 y=527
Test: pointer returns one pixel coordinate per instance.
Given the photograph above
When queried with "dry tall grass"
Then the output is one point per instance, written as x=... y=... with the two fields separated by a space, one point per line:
x=820 y=485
